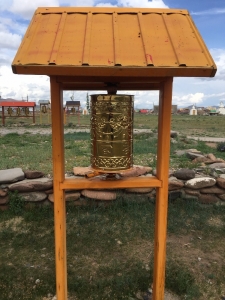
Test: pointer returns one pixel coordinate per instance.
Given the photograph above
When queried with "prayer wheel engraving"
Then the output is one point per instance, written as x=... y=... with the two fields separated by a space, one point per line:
x=111 y=132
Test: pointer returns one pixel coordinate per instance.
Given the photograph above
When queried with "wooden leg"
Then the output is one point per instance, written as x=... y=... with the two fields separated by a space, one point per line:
x=3 y=115
x=163 y=155
x=59 y=196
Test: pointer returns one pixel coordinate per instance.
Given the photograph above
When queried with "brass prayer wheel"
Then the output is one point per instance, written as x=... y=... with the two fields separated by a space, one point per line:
x=111 y=132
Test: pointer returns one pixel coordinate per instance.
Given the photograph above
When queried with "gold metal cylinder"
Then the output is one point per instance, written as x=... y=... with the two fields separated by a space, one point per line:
x=111 y=132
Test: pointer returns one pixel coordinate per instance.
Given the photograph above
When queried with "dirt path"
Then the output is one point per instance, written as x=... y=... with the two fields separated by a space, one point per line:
x=35 y=130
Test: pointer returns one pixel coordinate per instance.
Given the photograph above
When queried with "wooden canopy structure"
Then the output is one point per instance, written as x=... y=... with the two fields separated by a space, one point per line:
x=22 y=109
x=98 y=48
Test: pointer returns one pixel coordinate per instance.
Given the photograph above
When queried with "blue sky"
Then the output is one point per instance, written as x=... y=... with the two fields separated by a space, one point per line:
x=208 y=15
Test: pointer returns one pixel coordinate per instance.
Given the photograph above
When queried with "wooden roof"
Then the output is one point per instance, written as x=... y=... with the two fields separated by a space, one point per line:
x=113 y=43
x=17 y=103
x=72 y=103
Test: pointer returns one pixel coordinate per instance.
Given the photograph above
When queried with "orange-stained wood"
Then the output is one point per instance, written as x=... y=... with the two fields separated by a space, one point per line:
x=66 y=40
x=17 y=104
x=96 y=183
x=163 y=154
x=59 y=203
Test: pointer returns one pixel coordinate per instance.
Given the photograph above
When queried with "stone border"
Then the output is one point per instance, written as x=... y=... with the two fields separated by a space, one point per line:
x=33 y=187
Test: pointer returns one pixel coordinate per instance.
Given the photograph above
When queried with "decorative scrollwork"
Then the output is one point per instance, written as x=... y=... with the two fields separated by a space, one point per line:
x=111 y=131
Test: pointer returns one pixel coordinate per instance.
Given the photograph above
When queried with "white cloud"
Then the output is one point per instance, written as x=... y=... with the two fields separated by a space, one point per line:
x=27 y=7
x=184 y=100
x=19 y=86
x=8 y=26
x=219 y=57
x=215 y=11
x=9 y=40
x=143 y=3
x=87 y=3
x=106 y=5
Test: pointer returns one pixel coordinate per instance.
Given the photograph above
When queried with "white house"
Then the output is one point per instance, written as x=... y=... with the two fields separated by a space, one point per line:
x=221 y=109
x=193 y=111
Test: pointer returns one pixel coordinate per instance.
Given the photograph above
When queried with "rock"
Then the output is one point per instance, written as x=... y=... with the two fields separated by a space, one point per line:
x=33 y=174
x=173 y=134
x=139 y=190
x=3 y=193
x=11 y=175
x=49 y=191
x=4 y=200
x=4 y=207
x=212 y=190
x=172 y=141
x=220 y=171
x=193 y=155
x=170 y=173
x=72 y=196
x=33 y=196
x=81 y=171
x=32 y=185
x=199 y=183
x=209 y=161
x=222 y=176
x=200 y=159
x=217 y=165
x=100 y=195
x=173 y=195
x=220 y=182
x=222 y=197
x=180 y=152
x=184 y=174
x=208 y=199
x=192 y=192
x=211 y=156
x=68 y=197
x=135 y=171
x=175 y=184
x=81 y=202
x=213 y=173
x=190 y=197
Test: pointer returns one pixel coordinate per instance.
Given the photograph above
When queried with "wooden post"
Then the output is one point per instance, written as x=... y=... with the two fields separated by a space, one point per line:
x=3 y=115
x=163 y=155
x=33 y=116
x=59 y=195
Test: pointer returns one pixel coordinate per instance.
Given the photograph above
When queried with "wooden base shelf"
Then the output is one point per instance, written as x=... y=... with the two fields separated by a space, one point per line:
x=97 y=183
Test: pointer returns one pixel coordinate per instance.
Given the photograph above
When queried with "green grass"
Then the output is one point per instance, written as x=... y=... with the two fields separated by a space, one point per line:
x=34 y=152
x=189 y=125
x=110 y=250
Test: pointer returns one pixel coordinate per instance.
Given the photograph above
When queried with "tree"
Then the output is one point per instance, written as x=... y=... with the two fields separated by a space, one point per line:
x=88 y=103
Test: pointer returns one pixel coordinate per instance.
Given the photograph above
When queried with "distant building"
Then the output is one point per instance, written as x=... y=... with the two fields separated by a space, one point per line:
x=72 y=106
x=183 y=111
x=221 y=109
x=173 y=109
x=85 y=111
x=144 y=111
x=213 y=112
x=193 y=111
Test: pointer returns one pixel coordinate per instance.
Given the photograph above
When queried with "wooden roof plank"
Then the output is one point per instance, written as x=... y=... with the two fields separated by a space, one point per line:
x=116 y=41
x=58 y=38
x=186 y=46
x=101 y=46
x=87 y=40
x=71 y=49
